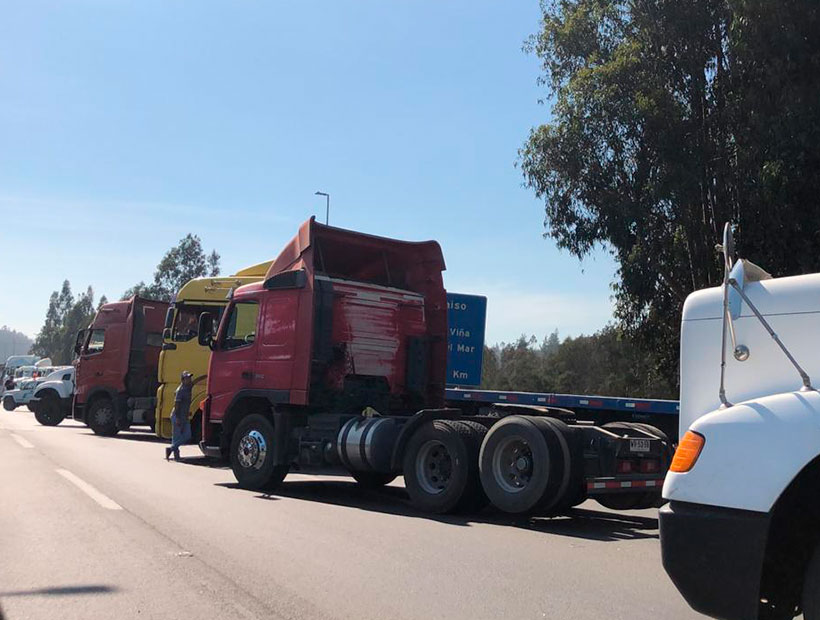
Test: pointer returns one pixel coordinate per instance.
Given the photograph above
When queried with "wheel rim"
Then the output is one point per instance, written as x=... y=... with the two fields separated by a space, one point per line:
x=102 y=415
x=513 y=465
x=252 y=450
x=434 y=467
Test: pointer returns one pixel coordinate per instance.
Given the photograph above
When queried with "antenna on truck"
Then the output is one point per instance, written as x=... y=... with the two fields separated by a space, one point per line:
x=730 y=281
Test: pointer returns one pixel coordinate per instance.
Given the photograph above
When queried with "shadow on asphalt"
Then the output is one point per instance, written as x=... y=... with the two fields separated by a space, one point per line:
x=132 y=435
x=204 y=461
x=61 y=591
x=597 y=525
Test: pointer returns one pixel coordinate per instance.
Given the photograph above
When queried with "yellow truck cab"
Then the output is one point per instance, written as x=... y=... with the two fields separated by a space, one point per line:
x=180 y=349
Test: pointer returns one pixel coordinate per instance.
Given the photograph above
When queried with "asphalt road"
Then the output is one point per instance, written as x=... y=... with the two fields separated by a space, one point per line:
x=94 y=527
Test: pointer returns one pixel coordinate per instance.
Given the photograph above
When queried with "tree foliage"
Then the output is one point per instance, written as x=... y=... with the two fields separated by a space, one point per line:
x=605 y=363
x=13 y=342
x=185 y=261
x=64 y=318
x=669 y=118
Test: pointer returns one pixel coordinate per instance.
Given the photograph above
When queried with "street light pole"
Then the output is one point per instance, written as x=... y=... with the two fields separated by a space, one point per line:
x=327 y=205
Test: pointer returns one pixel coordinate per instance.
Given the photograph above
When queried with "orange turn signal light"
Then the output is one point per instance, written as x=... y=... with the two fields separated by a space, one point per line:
x=688 y=451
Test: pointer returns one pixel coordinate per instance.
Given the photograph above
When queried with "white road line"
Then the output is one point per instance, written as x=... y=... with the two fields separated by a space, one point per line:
x=21 y=440
x=102 y=500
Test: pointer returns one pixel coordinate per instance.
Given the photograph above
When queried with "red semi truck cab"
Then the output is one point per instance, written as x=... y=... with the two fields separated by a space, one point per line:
x=117 y=358
x=342 y=321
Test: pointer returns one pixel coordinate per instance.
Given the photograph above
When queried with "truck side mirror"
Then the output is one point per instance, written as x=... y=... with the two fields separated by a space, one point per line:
x=166 y=333
x=205 y=333
x=78 y=344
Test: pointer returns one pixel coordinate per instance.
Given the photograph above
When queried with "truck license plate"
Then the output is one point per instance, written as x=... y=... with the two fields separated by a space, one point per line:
x=639 y=445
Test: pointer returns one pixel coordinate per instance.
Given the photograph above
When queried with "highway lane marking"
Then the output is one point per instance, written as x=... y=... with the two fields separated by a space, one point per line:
x=102 y=500
x=21 y=440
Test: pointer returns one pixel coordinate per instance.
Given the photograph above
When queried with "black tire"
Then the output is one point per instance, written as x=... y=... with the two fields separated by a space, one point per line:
x=196 y=428
x=522 y=464
x=251 y=455
x=558 y=502
x=620 y=501
x=576 y=489
x=49 y=411
x=811 y=587
x=151 y=421
x=477 y=499
x=372 y=479
x=30 y=407
x=9 y=404
x=101 y=417
x=440 y=467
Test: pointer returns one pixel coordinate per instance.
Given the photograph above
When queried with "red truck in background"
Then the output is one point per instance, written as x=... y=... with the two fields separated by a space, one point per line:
x=337 y=360
x=117 y=359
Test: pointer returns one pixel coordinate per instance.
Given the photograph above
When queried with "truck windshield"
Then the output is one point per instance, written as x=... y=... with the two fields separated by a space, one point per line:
x=186 y=322
x=241 y=328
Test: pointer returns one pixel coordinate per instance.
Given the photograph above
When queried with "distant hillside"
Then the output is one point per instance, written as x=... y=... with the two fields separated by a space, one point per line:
x=13 y=342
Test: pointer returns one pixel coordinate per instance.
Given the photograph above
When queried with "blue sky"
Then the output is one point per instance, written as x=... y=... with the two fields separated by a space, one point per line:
x=126 y=125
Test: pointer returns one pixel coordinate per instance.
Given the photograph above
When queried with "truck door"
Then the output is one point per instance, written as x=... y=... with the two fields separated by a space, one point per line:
x=97 y=365
x=277 y=343
x=236 y=354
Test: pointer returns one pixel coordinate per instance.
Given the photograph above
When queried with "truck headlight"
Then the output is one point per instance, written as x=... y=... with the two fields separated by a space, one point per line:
x=688 y=451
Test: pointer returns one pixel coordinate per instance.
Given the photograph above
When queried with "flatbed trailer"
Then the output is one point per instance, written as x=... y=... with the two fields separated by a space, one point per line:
x=598 y=409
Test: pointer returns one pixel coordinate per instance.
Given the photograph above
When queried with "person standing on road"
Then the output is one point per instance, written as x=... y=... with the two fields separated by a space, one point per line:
x=180 y=424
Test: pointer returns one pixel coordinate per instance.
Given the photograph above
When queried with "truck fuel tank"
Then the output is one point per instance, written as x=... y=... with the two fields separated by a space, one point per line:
x=366 y=443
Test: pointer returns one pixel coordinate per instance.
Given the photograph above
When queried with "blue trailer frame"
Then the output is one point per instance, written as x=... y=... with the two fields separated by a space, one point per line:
x=597 y=409
x=569 y=401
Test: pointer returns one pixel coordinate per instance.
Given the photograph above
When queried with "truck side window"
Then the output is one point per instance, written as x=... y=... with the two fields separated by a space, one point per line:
x=241 y=329
x=186 y=323
x=96 y=341
x=66 y=377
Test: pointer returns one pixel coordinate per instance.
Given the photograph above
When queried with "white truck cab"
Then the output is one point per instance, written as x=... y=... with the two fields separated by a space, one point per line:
x=20 y=395
x=740 y=534
x=51 y=400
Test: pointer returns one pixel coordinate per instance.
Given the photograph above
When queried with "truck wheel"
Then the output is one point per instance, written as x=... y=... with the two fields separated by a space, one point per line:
x=620 y=501
x=441 y=467
x=252 y=455
x=196 y=428
x=30 y=407
x=372 y=479
x=151 y=421
x=477 y=499
x=100 y=417
x=9 y=404
x=48 y=411
x=574 y=491
x=523 y=464
x=811 y=587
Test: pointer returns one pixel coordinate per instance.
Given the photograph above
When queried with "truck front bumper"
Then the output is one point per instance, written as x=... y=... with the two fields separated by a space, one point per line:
x=714 y=556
